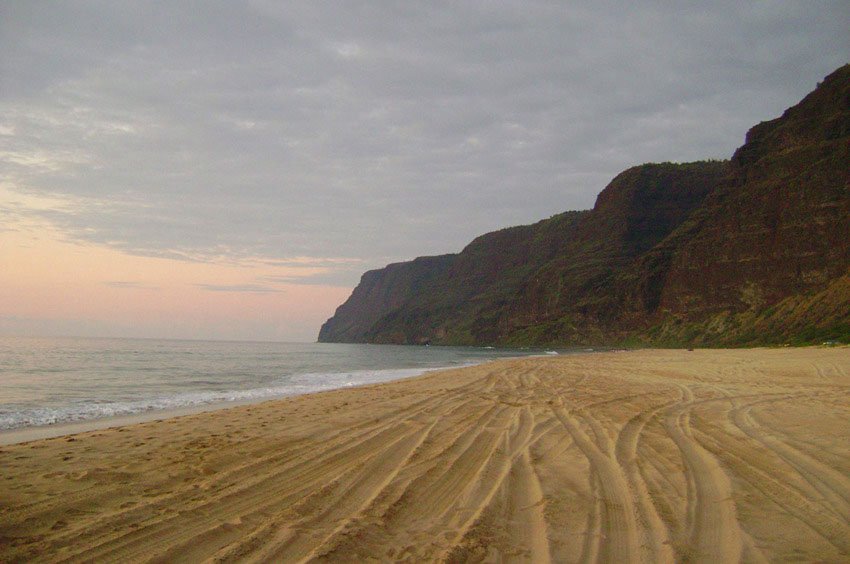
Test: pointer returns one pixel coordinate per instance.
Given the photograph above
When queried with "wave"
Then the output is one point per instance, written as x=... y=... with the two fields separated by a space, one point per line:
x=15 y=417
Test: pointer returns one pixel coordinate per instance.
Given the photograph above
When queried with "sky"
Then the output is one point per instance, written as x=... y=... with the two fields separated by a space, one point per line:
x=228 y=170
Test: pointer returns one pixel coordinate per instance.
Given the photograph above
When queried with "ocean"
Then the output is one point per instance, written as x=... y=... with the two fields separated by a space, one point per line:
x=48 y=381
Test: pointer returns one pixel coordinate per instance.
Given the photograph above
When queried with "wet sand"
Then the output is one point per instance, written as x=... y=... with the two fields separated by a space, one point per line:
x=718 y=456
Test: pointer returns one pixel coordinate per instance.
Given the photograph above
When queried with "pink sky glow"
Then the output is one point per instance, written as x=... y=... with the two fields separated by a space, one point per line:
x=52 y=286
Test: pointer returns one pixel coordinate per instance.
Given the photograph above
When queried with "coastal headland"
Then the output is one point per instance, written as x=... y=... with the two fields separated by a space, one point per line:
x=654 y=455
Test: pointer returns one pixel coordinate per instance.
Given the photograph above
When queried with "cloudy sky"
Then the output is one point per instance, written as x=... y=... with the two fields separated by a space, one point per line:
x=228 y=170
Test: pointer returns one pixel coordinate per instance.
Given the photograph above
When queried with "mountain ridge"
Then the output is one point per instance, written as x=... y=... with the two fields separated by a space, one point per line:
x=706 y=253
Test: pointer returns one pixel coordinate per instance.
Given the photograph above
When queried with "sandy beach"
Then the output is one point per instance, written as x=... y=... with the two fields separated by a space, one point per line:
x=716 y=456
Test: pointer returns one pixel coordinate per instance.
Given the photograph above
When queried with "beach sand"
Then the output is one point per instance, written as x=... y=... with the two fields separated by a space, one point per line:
x=709 y=455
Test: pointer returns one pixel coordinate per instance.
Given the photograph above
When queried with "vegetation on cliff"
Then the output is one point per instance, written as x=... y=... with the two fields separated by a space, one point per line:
x=755 y=250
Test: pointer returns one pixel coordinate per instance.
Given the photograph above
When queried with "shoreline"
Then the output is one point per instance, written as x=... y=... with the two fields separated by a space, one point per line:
x=23 y=435
x=53 y=430
x=649 y=455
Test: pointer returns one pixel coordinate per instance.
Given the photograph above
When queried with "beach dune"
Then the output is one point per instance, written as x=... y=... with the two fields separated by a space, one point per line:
x=715 y=456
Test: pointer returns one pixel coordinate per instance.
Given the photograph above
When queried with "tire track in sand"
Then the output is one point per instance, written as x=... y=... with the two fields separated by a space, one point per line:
x=278 y=530
x=619 y=528
x=831 y=484
x=522 y=507
x=256 y=473
x=714 y=529
x=528 y=522
x=762 y=478
x=305 y=538
x=248 y=502
x=658 y=547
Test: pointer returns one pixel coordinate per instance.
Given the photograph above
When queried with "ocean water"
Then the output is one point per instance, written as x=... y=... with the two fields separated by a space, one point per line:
x=45 y=381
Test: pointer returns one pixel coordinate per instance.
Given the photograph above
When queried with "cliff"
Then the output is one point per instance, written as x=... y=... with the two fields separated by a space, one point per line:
x=770 y=243
x=753 y=250
x=504 y=281
x=379 y=293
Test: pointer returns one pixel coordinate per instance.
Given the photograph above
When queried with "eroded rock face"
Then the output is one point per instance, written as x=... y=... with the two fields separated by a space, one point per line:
x=781 y=224
x=379 y=293
x=509 y=280
x=704 y=253
x=775 y=232
x=574 y=297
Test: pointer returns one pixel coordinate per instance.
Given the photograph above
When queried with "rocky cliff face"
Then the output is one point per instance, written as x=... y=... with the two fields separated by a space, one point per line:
x=463 y=305
x=506 y=281
x=379 y=293
x=572 y=298
x=698 y=253
x=776 y=231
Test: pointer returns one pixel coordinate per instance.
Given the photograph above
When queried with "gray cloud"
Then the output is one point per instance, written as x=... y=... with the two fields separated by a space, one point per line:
x=372 y=130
